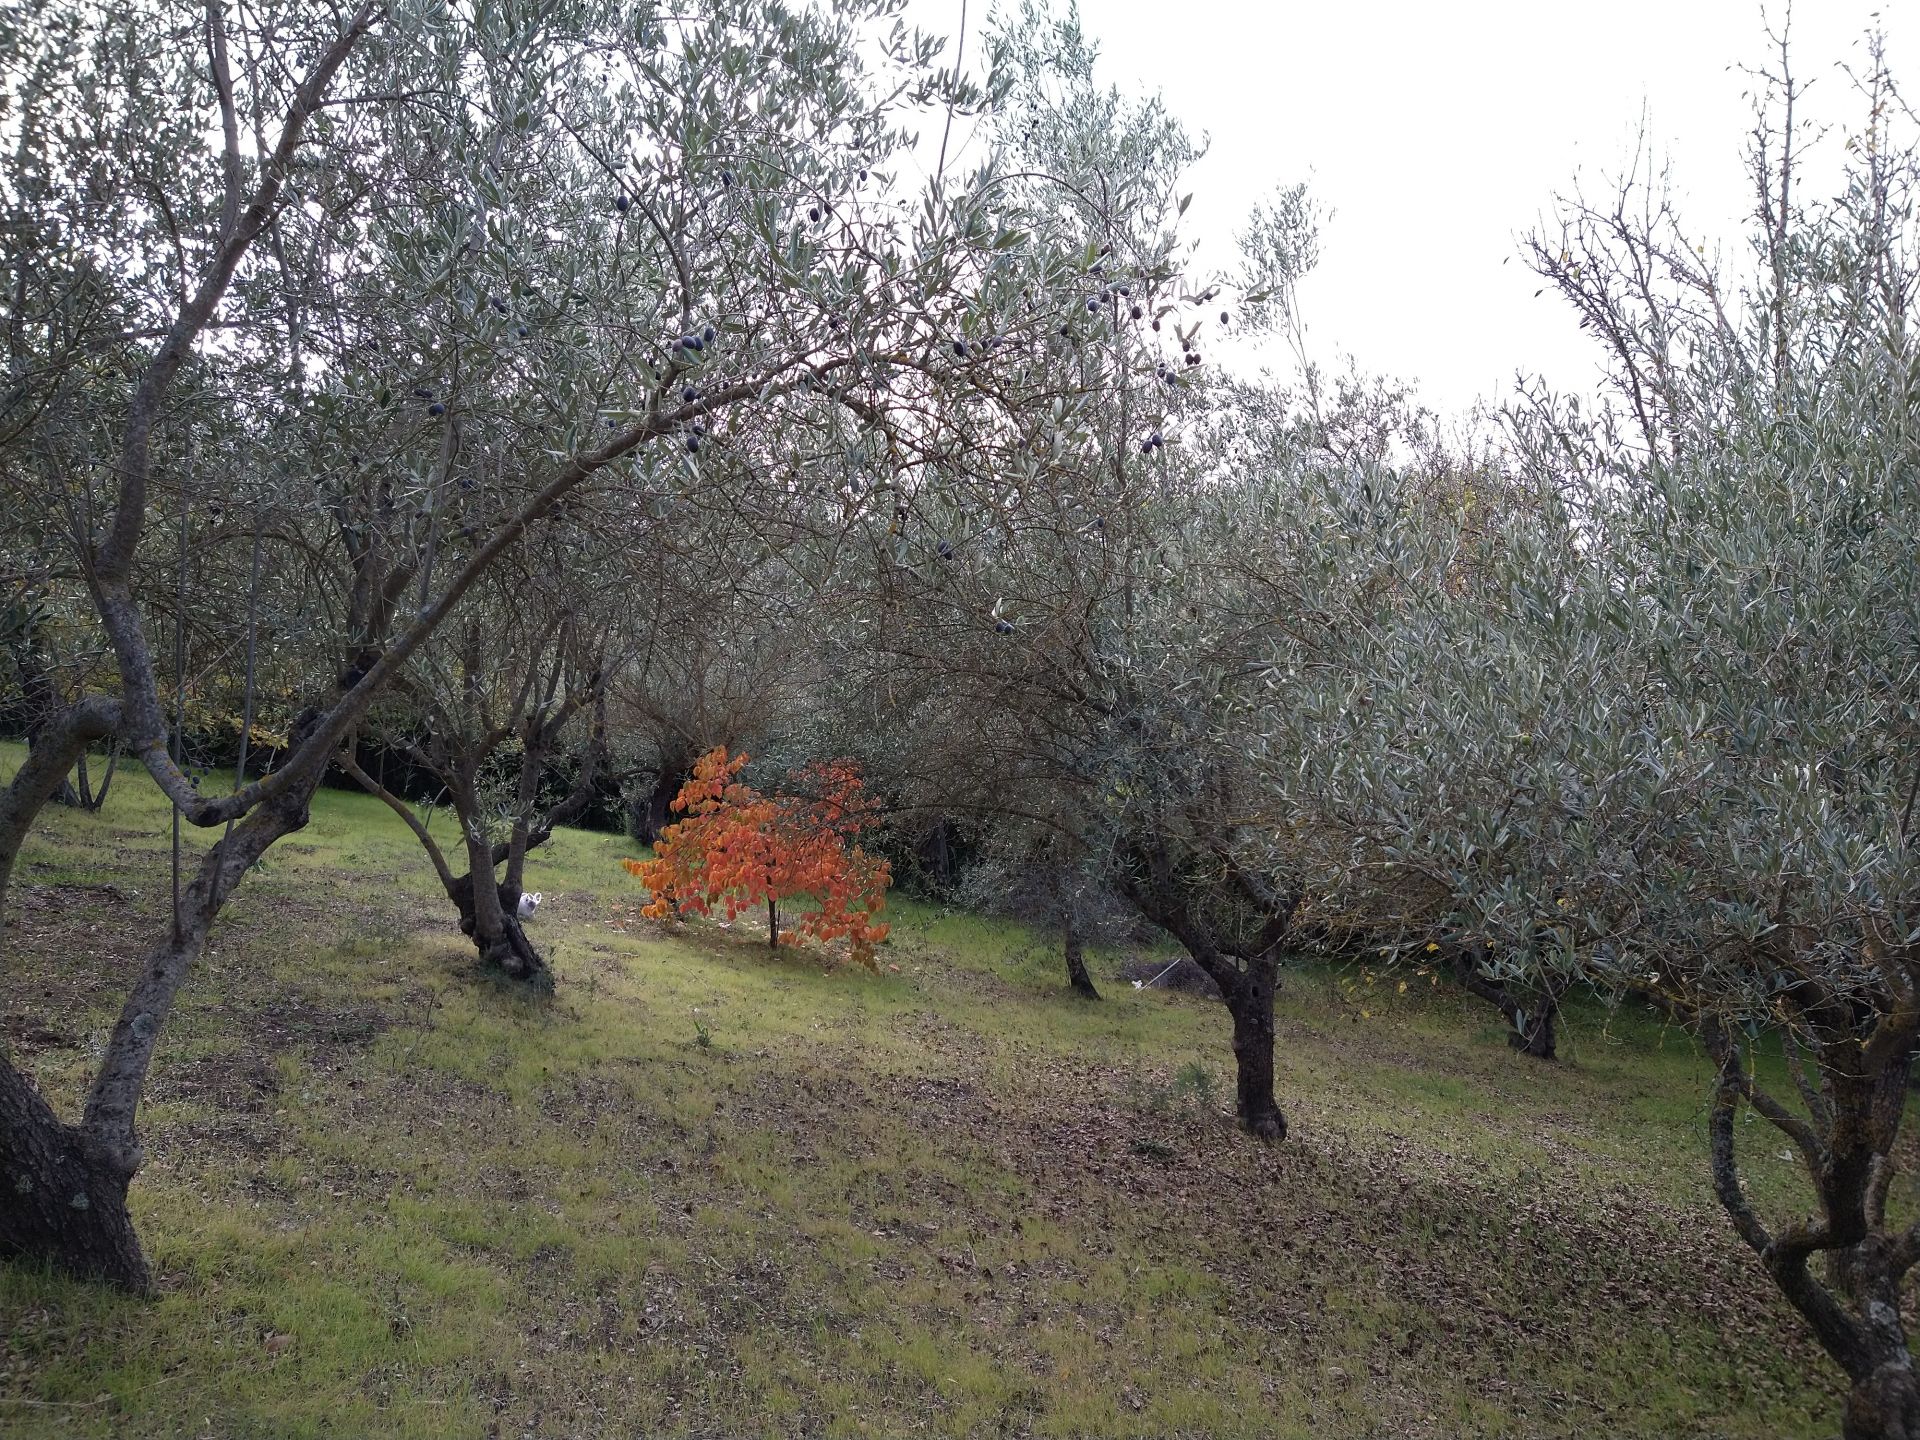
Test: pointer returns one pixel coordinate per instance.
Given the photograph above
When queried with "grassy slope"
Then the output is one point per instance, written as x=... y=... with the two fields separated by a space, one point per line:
x=386 y=1197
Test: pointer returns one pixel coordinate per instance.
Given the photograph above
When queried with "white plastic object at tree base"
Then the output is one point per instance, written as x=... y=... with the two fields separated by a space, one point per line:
x=1155 y=982
x=529 y=904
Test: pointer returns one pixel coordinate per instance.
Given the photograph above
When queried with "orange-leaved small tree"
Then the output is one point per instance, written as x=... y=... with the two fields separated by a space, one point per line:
x=737 y=849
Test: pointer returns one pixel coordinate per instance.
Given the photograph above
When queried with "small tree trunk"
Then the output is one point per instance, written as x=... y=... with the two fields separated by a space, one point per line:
x=92 y=800
x=936 y=853
x=497 y=933
x=505 y=947
x=1247 y=980
x=1251 y=1005
x=1846 y=1146
x=504 y=943
x=1530 y=1026
x=773 y=924
x=60 y=1202
x=1533 y=1033
x=653 y=812
x=1077 y=975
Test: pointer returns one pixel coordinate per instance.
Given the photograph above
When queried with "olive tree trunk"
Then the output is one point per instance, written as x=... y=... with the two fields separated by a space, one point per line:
x=1076 y=956
x=1251 y=1005
x=1247 y=974
x=653 y=812
x=63 y=1200
x=493 y=922
x=63 y=1188
x=1532 y=1015
x=93 y=798
x=1853 y=1090
x=492 y=917
x=43 y=708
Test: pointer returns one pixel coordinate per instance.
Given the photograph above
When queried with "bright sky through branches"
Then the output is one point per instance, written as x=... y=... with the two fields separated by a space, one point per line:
x=1439 y=133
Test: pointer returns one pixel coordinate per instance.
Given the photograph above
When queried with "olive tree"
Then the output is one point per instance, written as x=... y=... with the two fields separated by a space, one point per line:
x=448 y=265
x=1654 y=725
x=511 y=693
x=1048 y=644
x=1383 y=548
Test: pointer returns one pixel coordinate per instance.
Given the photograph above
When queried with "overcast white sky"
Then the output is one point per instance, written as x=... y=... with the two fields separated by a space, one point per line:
x=1439 y=132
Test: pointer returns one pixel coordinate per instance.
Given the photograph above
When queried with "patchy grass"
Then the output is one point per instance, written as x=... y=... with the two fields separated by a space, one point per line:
x=390 y=1197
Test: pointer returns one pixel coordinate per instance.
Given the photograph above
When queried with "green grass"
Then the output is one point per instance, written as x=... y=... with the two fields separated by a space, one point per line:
x=387 y=1196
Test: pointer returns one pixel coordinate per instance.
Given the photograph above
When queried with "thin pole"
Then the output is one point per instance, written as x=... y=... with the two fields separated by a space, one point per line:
x=253 y=636
x=179 y=695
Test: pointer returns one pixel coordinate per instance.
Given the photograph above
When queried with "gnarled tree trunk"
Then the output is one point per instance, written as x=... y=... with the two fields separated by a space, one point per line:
x=1247 y=973
x=653 y=812
x=61 y=1199
x=1077 y=975
x=506 y=948
x=506 y=902
x=491 y=915
x=64 y=1200
x=1534 y=1034
x=1853 y=1094
x=1883 y=1399
x=1250 y=1003
x=43 y=710
x=1531 y=1016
